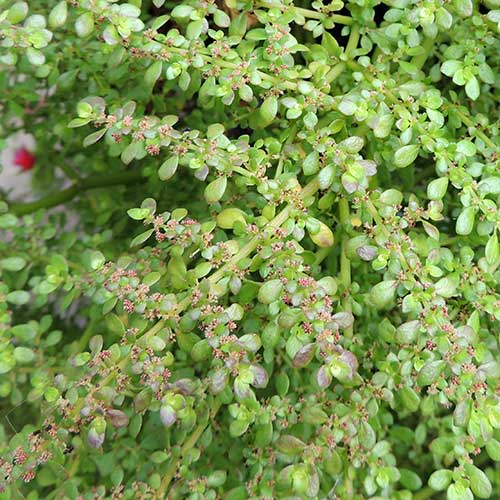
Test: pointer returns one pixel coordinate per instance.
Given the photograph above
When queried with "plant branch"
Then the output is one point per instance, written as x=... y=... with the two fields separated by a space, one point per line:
x=345 y=263
x=468 y=121
x=244 y=252
x=188 y=444
x=310 y=14
x=93 y=182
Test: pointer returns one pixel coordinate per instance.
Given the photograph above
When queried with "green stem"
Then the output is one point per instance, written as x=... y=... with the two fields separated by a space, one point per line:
x=352 y=43
x=336 y=71
x=336 y=18
x=308 y=13
x=345 y=263
x=468 y=121
x=188 y=444
x=87 y=334
x=75 y=189
x=419 y=61
x=70 y=173
x=243 y=172
x=290 y=139
x=383 y=227
x=321 y=255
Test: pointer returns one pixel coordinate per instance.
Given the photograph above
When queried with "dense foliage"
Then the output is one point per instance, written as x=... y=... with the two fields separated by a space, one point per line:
x=273 y=269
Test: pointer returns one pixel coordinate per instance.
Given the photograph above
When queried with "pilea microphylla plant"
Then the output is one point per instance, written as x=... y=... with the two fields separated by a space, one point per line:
x=262 y=260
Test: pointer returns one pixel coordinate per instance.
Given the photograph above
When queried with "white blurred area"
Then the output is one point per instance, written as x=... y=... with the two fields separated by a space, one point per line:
x=15 y=183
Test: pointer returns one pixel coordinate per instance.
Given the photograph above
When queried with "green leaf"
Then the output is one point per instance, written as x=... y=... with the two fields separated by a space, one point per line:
x=35 y=57
x=201 y=351
x=311 y=163
x=348 y=106
x=93 y=138
x=310 y=120
x=450 y=67
x=215 y=190
x=444 y=18
x=436 y=189
x=229 y=217
x=19 y=297
x=465 y=221
x=17 y=12
x=159 y=457
x=202 y=269
x=382 y=125
x=78 y=122
x=461 y=414
x=238 y=493
x=268 y=111
x=130 y=152
x=194 y=30
x=447 y=286
x=97 y=260
x=466 y=147
x=58 y=15
x=83 y=109
x=141 y=238
x=138 y=213
x=323 y=237
x=382 y=294
x=290 y=445
x=352 y=144
x=326 y=177
x=489 y=185
x=153 y=73
x=84 y=25
x=168 y=168
x=479 y=482
x=221 y=19
x=13 y=263
x=440 y=479
x=51 y=394
x=330 y=44
x=24 y=332
x=430 y=372
x=458 y=491
x=492 y=250
x=217 y=478
x=238 y=428
x=486 y=73
x=114 y=324
x=8 y=221
x=472 y=88
x=464 y=7
x=493 y=449
x=151 y=278
x=410 y=399
x=23 y=355
x=410 y=480
x=270 y=291
x=180 y=11
x=406 y=155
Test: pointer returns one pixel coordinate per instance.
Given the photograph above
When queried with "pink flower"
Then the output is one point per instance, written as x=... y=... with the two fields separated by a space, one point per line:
x=24 y=159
